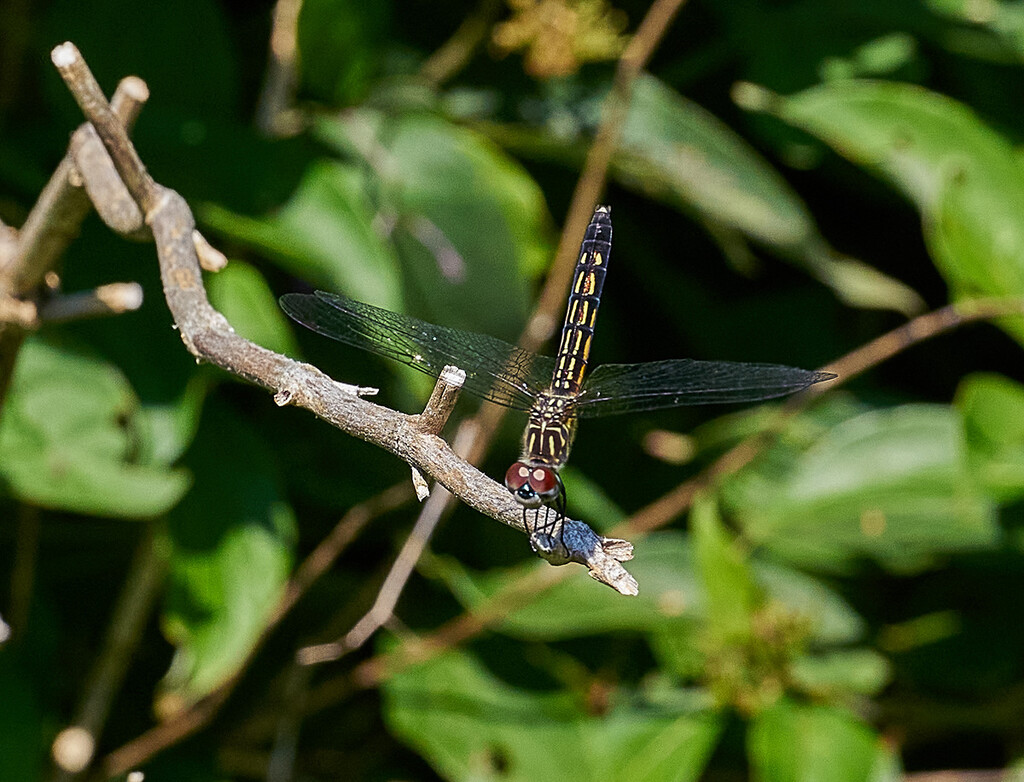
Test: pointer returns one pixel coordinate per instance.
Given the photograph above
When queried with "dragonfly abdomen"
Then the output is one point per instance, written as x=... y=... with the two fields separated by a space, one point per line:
x=584 y=300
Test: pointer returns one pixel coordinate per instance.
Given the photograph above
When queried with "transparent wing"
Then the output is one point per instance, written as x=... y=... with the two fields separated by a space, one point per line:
x=495 y=370
x=627 y=388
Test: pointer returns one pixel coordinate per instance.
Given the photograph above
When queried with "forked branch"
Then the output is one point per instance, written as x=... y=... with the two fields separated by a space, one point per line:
x=209 y=337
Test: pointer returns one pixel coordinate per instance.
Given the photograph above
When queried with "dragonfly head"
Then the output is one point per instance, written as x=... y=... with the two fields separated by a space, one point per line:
x=533 y=485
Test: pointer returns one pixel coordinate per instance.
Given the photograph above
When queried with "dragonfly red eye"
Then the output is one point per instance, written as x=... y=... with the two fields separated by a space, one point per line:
x=517 y=477
x=533 y=485
x=545 y=482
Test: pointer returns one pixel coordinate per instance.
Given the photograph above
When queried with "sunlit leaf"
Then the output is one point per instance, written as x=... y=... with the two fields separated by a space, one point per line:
x=324 y=234
x=795 y=743
x=894 y=485
x=70 y=435
x=470 y=725
x=231 y=541
x=963 y=176
x=468 y=220
x=993 y=411
x=674 y=151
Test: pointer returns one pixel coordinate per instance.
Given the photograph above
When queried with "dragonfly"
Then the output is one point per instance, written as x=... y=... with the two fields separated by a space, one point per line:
x=555 y=392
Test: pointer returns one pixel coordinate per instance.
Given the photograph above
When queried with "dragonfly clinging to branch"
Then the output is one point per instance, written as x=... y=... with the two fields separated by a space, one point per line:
x=555 y=392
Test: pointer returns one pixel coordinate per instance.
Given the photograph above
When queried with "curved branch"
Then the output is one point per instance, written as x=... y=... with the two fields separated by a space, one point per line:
x=208 y=336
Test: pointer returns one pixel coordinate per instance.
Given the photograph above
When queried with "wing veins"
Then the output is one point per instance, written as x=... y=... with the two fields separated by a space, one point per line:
x=621 y=388
x=495 y=370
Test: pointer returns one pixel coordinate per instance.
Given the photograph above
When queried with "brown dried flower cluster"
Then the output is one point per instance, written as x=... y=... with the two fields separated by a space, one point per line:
x=560 y=35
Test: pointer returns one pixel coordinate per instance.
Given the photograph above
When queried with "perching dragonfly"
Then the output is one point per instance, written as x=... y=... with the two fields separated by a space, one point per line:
x=556 y=392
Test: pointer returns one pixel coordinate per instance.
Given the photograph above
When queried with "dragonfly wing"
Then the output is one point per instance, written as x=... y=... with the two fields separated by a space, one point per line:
x=495 y=370
x=626 y=388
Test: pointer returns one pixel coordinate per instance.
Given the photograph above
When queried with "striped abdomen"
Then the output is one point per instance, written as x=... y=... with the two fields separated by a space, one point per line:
x=549 y=432
x=584 y=299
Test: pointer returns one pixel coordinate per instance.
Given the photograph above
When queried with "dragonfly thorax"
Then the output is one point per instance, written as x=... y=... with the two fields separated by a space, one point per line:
x=549 y=431
x=533 y=485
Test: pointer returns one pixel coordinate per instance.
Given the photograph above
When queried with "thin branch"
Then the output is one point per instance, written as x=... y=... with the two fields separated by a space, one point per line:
x=141 y=588
x=319 y=561
x=432 y=420
x=51 y=225
x=495 y=608
x=923 y=327
x=456 y=52
x=111 y=299
x=595 y=169
x=387 y=597
x=208 y=336
x=442 y=400
x=275 y=114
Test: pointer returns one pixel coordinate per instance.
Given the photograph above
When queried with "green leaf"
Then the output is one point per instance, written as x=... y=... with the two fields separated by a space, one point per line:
x=964 y=177
x=469 y=222
x=232 y=542
x=242 y=295
x=674 y=151
x=796 y=743
x=470 y=725
x=993 y=410
x=69 y=438
x=840 y=672
x=725 y=574
x=672 y=598
x=894 y=485
x=324 y=234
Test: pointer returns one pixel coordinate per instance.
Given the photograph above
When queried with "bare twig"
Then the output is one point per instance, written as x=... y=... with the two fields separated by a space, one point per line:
x=111 y=299
x=456 y=52
x=208 y=336
x=275 y=114
x=51 y=225
x=442 y=400
x=595 y=169
x=210 y=258
x=106 y=191
x=73 y=747
x=931 y=324
x=391 y=589
x=372 y=672
x=926 y=326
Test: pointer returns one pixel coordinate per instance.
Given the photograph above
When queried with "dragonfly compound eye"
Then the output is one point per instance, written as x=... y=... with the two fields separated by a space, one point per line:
x=546 y=483
x=518 y=481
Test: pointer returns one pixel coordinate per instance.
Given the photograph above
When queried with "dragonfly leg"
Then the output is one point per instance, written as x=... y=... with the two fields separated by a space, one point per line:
x=546 y=540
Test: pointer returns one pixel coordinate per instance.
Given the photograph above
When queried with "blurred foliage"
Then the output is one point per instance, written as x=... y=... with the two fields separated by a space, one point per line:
x=792 y=180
